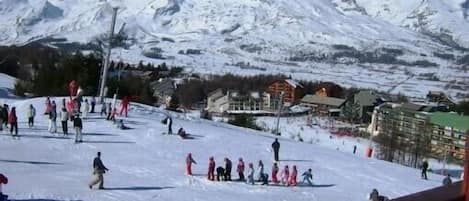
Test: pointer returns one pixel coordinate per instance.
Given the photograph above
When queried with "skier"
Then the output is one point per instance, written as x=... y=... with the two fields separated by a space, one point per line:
x=308 y=177
x=124 y=106
x=31 y=115
x=251 y=173
x=120 y=125
x=86 y=109
x=276 y=148
x=182 y=133
x=112 y=117
x=72 y=87
x=63 y=120
x=170 y=125
x=103 y=109
x=78 y=125
x=98 y=169
x=274 y=173
x=5 y=115
x=292 y=181
x=354 y=149
x=211 y=169
x=240 y=169
x=53 y=118
x=285 y=175
x=109 y=111
x=424 y=169
x=189 y=161
x=374 y=195
x=3 y=180
x=228 y=166
x=260 y=170
x=220 y=173
x=93 y=104
x=48 y=106
x=13 y=120
x=447 y=180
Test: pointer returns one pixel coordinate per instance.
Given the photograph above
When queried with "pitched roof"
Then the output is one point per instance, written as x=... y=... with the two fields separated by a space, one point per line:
x=293 y=83
x=315 y=99
x=365 y=98
x=450 y=119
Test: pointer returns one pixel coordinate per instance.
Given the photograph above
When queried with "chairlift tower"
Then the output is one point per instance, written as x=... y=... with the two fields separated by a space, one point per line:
x=108 y=57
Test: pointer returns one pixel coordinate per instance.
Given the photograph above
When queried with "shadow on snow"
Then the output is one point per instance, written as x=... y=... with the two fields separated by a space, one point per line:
x=29 y=162
x=138 y=188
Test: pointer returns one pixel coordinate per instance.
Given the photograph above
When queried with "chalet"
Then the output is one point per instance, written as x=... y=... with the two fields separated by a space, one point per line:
x=235 y=102
x=323 y=105
x=292 y=92
x=360 y=106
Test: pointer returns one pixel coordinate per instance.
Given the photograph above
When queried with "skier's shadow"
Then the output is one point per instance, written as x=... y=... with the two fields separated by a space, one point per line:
x=138 y=188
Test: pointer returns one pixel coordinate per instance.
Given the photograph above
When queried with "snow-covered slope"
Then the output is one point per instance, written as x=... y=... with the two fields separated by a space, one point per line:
x=145 y=165
x=358 y=43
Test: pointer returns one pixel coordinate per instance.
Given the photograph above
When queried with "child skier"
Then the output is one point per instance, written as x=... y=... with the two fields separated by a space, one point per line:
x=274 y=173
x=211 y=169
x=285 y=175
x=240 y=169
x=251 y=173
x=189 y=161
x=78 y=125
x=308 y=177
x=292 y=181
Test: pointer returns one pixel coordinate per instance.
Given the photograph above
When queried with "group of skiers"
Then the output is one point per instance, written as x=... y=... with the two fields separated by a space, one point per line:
x=8 y=118
x=287 y=177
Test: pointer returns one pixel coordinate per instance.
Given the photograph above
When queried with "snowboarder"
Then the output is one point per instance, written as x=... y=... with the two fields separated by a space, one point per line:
x=211 y=169
x=228 y=167
x=3 y=180
x=124 y=106
x=220 y=173
x=260 y=170
x=274 y=173
x=285 y=175
x=354 y=149
x=86 y=109
x=63 y=120
x=13 y=120
x=292 y=181
x=424 y=169
x=251 y=173
x=93 y=104
x=308 y=177
x=240 y=169
x=189 y=161
x=447 y=180
x=31 y=115
x=78 y=125
x=98 y=169
x=48 y=106
x=276 y=148
x=53 y=118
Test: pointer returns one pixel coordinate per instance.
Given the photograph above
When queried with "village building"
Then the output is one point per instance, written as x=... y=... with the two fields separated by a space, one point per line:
x=323 y=105
x=290 y=91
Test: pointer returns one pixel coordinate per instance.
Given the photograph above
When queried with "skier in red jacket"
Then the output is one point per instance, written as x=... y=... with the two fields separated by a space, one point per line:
x=189 y=161
x=13 y=120
x=292 y=181
x=124 y=106
x=240 y=169
x=211 y=169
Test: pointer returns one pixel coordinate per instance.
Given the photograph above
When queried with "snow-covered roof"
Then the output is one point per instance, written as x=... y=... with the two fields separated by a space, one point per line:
x=293 y=83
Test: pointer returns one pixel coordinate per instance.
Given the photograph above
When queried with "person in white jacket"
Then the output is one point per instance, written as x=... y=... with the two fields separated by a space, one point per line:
x=250 y=174
x=86 y=109
x=64 y=119
x=31 y=114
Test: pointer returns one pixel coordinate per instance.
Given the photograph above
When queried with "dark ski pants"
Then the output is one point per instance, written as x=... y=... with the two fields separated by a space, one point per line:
x=14 y=127
x=64 y=127
x=241 y=176
x=92 y=107
x=276 y=155
x=424 y=174
x=31 y=122
x=227 y=175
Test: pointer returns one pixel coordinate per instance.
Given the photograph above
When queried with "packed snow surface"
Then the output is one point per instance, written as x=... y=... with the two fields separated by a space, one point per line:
x=146 y=165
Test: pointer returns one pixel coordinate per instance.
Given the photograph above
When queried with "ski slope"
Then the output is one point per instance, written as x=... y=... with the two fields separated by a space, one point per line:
x=145 y=165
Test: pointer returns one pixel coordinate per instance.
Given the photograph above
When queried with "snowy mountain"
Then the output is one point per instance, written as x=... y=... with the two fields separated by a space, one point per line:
x=145 y=165
x=397 y=46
